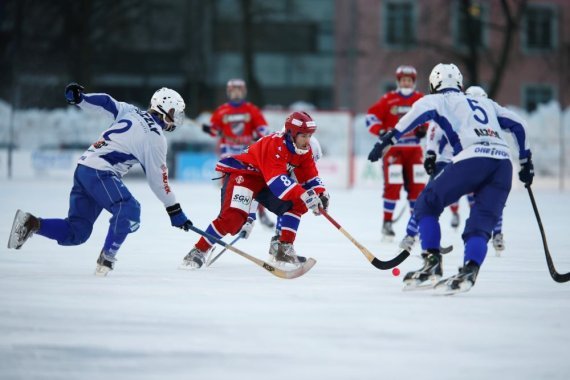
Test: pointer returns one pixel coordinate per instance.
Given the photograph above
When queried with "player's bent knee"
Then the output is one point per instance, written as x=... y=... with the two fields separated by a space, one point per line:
x=230 y=221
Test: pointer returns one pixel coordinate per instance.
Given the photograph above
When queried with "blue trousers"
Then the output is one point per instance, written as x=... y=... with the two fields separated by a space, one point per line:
x=94 y=190
x=489 y=179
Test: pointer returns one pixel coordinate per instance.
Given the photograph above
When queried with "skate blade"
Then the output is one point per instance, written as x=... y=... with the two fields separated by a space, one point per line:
x=101 y=271
x=446 y=290
x=188 y=267
x=284 y=264
x=18 y=221
x=387 y=239
x=414 y=284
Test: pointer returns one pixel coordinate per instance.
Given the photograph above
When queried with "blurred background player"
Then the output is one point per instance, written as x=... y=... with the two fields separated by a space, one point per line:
x=402 y=164
x=481 y=165
x=135 y=136
x=265 y=167
x=237 y=124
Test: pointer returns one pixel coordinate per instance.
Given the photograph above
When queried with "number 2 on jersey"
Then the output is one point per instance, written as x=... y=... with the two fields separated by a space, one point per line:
x=473 y=104
x=120 y=130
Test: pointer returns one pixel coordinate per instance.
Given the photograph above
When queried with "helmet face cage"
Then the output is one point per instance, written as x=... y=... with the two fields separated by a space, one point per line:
x=476 y=92
x=445 y=76
x=300 y=122
x=234 y=84
x=170 y=105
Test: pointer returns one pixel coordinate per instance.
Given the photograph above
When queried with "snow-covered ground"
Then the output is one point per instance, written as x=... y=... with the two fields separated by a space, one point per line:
x=343 y=320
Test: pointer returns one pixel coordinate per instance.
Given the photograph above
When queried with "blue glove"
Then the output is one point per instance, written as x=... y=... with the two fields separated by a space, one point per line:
x=380 y=147
x=429 y=162
x=177 y=217
x=74 y=93
x=526 y=174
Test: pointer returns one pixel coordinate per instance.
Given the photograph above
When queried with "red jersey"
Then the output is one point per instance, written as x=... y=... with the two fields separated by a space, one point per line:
x=273 y=158
x=238 y=126
x=385 y=113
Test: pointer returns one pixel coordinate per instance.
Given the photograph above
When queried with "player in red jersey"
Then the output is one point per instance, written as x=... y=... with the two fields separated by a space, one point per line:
x=237 y=124
x=266 y=167
x=403 y=164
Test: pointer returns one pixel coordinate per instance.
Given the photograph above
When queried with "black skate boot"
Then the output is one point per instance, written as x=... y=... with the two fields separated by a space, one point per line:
x=23 y=227
x=286 y=254
x=461 y=282
x=387 y=231
x=426 y=277
x=105 y=264
x=194 y=259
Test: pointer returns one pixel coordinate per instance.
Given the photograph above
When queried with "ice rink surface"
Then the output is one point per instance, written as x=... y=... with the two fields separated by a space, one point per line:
x=343 y=320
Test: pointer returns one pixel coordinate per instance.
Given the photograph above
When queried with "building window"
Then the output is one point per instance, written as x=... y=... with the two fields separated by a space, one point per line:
x=533 y=95
x=464 y=32
x=399 y=23
x=540 y=28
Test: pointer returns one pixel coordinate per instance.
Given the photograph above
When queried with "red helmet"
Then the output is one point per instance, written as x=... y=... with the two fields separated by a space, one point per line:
x=236 y=84
x=406 y=71
x=300 y=122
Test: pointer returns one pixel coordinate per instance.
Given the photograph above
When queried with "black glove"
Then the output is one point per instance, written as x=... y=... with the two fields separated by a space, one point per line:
x=429 y=162
x=325 y=199
x=207 y=128
x=177 y=217
x=380 y=147
x=73 y=93
x=526 y=174
x=420 y=132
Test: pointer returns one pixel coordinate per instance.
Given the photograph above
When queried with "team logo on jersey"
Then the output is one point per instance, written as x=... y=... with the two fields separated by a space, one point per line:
x=165 y=179
x=99 y=144
x=400 y=110
x=237 y=118
x=238 y=128
x=486 y=132
x=239 y=179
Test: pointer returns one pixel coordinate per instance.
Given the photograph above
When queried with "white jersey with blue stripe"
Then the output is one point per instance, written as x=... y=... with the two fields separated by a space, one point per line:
x=134 y=136
x=473 y=127
x=437 y=142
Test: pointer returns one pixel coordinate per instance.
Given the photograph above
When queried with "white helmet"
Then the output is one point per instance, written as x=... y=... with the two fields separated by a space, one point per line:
x=163 y=101
x=445 y=76
x=476 y=92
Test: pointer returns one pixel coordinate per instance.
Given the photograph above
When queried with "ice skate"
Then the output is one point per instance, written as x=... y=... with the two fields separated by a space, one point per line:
x=23 y=228
x=193 y=260
x=461 y=282
x=426 y=277
x=387 y=231
x=264 y=219
x=273 y=246
x=455 y=221
x=408 y=242
x=286 y=254
x=105 y=264
x=498 y=243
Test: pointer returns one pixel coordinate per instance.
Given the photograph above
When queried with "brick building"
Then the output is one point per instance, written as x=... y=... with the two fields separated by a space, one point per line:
x=373 y=37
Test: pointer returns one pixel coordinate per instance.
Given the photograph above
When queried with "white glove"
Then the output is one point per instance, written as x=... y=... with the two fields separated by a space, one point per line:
x=312 y=201
x=247 y=228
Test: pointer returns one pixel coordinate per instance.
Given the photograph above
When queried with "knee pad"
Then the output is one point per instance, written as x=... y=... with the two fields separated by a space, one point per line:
x=230 y=221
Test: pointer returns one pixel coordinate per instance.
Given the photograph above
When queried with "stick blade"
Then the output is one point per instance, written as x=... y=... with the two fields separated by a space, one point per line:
x=384 y=265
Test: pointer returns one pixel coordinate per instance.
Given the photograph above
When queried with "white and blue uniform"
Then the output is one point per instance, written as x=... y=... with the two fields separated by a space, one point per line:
x=134 y=136
x=474 y=129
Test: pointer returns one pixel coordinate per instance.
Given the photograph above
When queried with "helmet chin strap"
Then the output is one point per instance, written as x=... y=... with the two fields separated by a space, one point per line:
x=299 y=150
x=406 y=91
